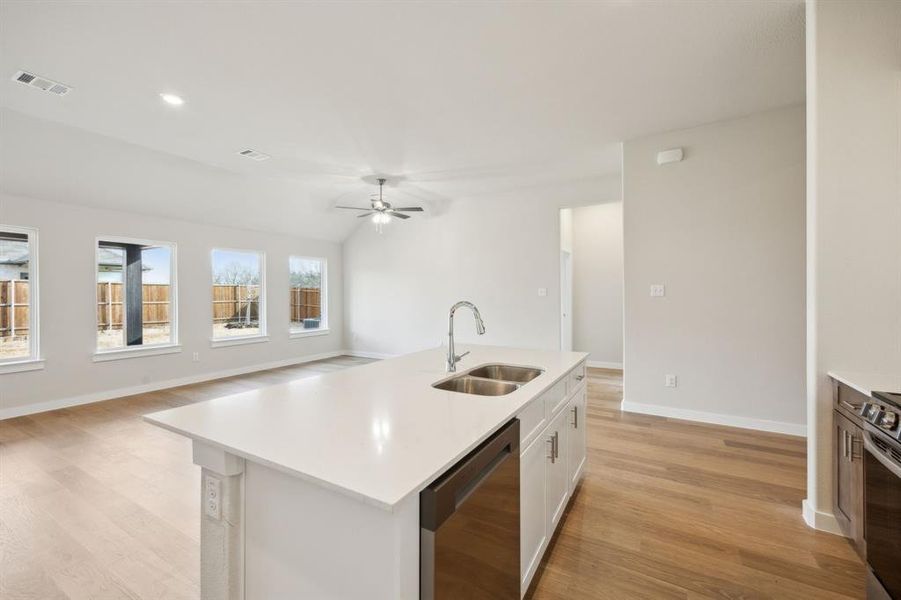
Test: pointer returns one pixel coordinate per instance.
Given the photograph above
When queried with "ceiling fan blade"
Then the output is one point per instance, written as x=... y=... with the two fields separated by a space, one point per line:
x=353 y=208
x=397 y=214
x=410 y=208
x=366 y=214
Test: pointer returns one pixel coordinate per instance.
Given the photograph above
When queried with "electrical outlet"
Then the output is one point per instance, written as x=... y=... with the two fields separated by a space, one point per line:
x=542 y=292
x=196 y=357
x=212 y=497
x=658 y=290
x=671 y=381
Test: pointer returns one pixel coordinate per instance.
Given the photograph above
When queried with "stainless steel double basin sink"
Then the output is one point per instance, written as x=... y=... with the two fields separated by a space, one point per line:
x=490 y=380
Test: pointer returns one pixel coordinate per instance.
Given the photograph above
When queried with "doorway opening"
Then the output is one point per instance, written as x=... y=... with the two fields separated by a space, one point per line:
x=591 y=283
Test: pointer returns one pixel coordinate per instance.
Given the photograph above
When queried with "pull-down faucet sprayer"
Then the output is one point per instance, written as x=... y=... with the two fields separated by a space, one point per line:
x=452 y=357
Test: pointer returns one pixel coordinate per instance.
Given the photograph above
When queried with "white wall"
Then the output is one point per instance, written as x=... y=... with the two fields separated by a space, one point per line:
x=724 y=231
x=854 y=212
x=496 y=252
x=598 y=283
x=67 y=304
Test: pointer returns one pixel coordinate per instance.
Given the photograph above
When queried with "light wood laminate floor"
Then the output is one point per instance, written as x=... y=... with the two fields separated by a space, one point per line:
x=96 y=504
x=676 y=509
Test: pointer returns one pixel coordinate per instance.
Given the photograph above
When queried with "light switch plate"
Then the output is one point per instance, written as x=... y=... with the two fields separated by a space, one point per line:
x=671 y=381
x=542 y=292
x=658 y=290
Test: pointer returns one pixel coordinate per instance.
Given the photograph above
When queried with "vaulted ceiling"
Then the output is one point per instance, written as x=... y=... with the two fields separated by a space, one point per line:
x=449 y=99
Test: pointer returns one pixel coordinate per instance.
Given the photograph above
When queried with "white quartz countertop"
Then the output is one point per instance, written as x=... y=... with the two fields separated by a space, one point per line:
x=867 y=383
x=378 y=432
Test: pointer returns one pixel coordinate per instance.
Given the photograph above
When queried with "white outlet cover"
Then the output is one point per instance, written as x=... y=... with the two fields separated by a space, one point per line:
x=671 y=381
x=658 y=290
x=542 y=292
x=212 y=497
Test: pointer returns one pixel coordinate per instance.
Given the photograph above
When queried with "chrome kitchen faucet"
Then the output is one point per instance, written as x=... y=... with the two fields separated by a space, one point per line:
x=452 y=357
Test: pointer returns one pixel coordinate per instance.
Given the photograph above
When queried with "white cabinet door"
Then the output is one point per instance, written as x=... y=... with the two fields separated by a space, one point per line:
x=576 y=436
x=557 y=472
x=532 y=506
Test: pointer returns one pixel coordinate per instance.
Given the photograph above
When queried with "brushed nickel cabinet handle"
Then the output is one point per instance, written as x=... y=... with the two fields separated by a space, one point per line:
x=553 y=455
x=580 y=377
x=846 y=444
x=556 y=444
x=852 y=407
x=575 y=417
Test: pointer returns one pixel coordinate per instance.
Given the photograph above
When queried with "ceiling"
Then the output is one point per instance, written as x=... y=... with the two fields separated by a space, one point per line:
x=448 y=99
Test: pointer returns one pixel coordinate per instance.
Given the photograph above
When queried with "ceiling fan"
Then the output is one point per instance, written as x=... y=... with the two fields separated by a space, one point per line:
x=381 y=210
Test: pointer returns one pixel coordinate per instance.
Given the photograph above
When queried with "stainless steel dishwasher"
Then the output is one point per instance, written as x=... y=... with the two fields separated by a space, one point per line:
x=469 y=525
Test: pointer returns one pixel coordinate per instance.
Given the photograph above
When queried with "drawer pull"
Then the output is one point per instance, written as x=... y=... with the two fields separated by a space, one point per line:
x=855 y=408
x=553 y=455
x=575 y=417
x=580 y=377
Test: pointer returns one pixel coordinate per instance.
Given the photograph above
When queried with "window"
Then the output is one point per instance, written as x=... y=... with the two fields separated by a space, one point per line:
x=18 y=299
x=308 y=295
x=239 y=296
x=136 y=296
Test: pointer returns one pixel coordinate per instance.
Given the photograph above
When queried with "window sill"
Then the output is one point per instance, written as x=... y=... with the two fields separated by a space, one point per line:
x=19 y=366
x=122 y=353
x=302 y=333
x=238 y=341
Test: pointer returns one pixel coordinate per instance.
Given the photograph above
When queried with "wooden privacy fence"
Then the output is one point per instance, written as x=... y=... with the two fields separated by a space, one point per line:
x=14 y=301
x=110 y=305
x=229 y=304
x=306 y=303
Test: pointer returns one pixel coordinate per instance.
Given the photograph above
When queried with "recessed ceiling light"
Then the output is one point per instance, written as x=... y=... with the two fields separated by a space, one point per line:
x=172 y=99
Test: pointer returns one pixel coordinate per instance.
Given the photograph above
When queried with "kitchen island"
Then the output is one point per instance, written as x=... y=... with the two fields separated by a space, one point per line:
x=311 y=488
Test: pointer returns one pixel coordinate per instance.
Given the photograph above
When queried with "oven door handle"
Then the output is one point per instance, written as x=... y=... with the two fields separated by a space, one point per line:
x=880 y=456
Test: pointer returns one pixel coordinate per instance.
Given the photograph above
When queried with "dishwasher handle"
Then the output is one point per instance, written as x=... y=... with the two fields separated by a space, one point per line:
x=440 y=499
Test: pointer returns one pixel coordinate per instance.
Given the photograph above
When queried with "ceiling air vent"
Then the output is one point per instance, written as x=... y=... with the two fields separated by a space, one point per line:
x=41 y=83
x=255 y=155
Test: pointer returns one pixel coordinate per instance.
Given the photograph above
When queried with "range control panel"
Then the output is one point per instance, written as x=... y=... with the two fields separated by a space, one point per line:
x=884 y=415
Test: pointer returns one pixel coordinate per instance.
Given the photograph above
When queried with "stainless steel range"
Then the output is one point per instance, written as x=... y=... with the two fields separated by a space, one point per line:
x=882 y=474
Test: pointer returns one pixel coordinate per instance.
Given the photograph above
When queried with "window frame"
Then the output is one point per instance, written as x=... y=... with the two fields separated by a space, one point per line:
x=170 y=347
x=237 y=340
x=33 y=361
x=323 y=329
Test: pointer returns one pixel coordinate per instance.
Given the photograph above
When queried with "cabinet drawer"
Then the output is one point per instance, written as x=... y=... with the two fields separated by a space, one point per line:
x=532 y=420
x=576 y=377
x=555 y=398
x=849 y=400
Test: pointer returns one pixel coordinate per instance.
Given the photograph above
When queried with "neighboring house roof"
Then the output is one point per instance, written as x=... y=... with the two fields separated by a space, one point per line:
x=13 y=252
x=109 y=259
x=16 y=253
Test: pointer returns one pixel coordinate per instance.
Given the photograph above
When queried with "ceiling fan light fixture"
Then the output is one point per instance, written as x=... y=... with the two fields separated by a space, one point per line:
x=381 y=211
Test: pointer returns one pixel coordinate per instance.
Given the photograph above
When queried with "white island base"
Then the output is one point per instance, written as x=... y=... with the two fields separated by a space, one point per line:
x=311 y=489
x=283 y=537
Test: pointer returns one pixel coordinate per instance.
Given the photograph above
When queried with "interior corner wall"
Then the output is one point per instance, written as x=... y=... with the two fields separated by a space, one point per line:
x=597 y=241
x=67 y=311
x=724 y=231
x=500 y=252
x=854 y=212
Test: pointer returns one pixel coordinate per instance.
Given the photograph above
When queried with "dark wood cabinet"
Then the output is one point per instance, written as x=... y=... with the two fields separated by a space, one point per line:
x=848 y=466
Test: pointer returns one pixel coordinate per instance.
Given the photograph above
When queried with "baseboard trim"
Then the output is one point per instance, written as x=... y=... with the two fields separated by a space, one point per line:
x=715 y=418
x=819 y=520
x=602 y=364
x=39 y=407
